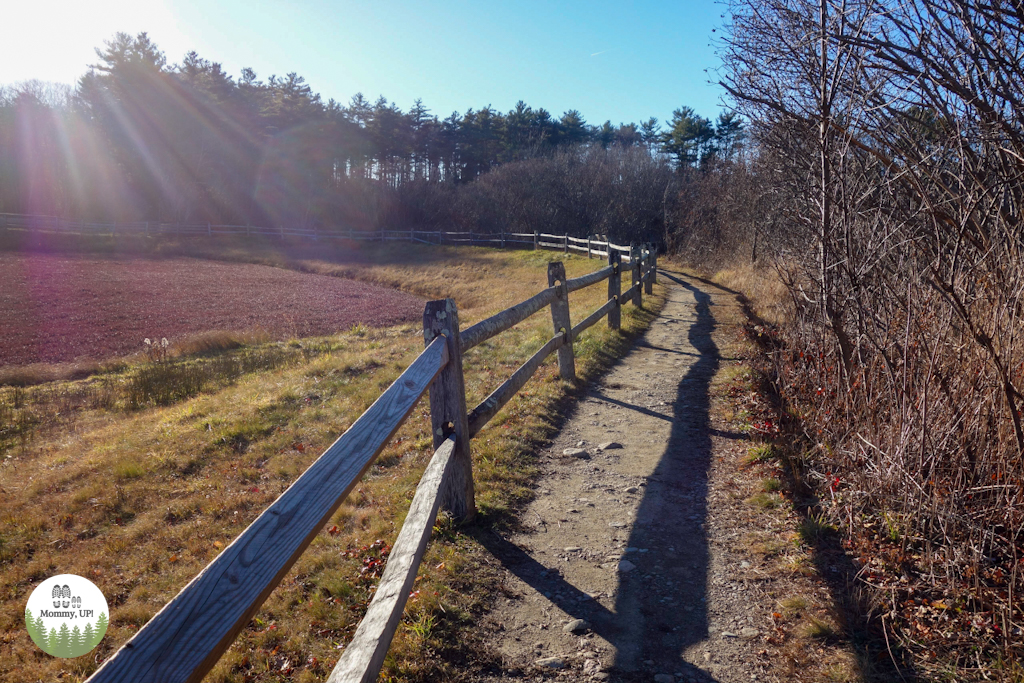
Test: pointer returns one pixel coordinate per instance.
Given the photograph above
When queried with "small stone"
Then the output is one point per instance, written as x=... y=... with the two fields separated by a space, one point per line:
x=632 y=489
x=617 y=525
x=551 y=662
x=601 y=676
x=576 y=626
x=744 y=565
x=576 y=453
x=591 y=666
x=707 y=656
x=581 y=444
x=626 y=566
x=729 y=634
x=610 y=446
x=663 y=678
x=573 y=549
x=749 y=632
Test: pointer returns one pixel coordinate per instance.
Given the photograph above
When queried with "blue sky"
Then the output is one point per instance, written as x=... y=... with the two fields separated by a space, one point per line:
x=622 y=61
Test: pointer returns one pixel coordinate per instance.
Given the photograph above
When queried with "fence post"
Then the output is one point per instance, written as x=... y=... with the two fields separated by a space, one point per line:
x=654 y=264
x=635 y=273
x=589 y=255
x=615 y=288
x=565 y=244
x=448 y=409
x=560 y=319
x=536 y=239
x=649 y=263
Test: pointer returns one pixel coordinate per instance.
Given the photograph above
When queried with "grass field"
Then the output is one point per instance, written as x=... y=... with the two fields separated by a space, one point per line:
x=138 y=491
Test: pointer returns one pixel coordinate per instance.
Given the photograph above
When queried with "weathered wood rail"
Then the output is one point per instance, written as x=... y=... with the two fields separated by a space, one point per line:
x=595 y=246
x=184 y=640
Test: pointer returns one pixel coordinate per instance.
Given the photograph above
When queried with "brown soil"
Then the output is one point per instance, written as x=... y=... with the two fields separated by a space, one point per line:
x=59 y=308
x=649 y=543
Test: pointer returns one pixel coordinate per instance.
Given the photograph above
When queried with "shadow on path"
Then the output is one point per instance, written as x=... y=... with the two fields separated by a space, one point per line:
x=660 y=608
x=670 y=524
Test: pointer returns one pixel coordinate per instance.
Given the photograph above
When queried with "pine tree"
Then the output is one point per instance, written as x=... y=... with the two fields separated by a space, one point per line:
x=41 y=627
x=32 y=625
x=101 y=629
x=51 y=641
x=76 y=644
x=63 y=648
x=88 y=638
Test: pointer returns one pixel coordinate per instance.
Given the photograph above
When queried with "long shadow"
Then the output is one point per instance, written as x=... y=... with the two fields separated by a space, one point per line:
x=670 y=525
x=661 y=609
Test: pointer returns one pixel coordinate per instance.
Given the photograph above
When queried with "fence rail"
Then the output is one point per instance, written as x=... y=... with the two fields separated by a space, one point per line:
x=184 y=640
x=595 y=246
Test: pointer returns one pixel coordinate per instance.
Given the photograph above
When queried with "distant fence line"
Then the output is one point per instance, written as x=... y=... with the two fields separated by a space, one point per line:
x=597 y=245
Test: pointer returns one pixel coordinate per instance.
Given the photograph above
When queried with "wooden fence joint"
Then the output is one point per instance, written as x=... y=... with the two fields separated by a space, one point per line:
x=448 y=409
x=560 y=320
x=615 y=288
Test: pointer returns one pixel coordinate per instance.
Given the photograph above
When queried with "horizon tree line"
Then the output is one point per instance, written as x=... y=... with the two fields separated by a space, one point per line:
x=141 y=139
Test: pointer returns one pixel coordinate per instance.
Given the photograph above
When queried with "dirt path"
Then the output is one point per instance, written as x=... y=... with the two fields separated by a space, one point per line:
x=631 y=526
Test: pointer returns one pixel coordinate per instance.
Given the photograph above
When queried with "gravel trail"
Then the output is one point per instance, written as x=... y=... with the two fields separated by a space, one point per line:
x=627 y=570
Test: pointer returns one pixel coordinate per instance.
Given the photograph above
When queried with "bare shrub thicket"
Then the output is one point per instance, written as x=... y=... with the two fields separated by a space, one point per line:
x=716 y=212
x=580 y=191
x=893 y=136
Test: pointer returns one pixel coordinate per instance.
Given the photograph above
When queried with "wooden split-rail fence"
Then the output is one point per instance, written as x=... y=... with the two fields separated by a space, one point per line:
x=184 y=640
x=595 y=246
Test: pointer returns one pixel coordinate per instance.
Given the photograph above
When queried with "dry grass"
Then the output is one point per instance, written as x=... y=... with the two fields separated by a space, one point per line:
x=140 y=499
x=41 y=373
x=761 y=285
x=216 y=341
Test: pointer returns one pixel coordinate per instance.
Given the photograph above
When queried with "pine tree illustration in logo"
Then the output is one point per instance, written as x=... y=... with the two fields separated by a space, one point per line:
x=33 y=627
x=101 y=628
x=89 y=640
x=63 y=648
x=75 y=645
x=77 y=621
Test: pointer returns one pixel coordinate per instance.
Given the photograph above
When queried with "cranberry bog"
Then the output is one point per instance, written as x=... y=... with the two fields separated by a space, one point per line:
x=60 y=308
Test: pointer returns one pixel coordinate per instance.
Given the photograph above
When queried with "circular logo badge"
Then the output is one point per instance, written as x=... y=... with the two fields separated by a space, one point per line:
x=66 y=615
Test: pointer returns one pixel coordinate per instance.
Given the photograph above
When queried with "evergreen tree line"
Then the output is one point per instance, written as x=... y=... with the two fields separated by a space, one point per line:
x=66 y=642
x=141 y=139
